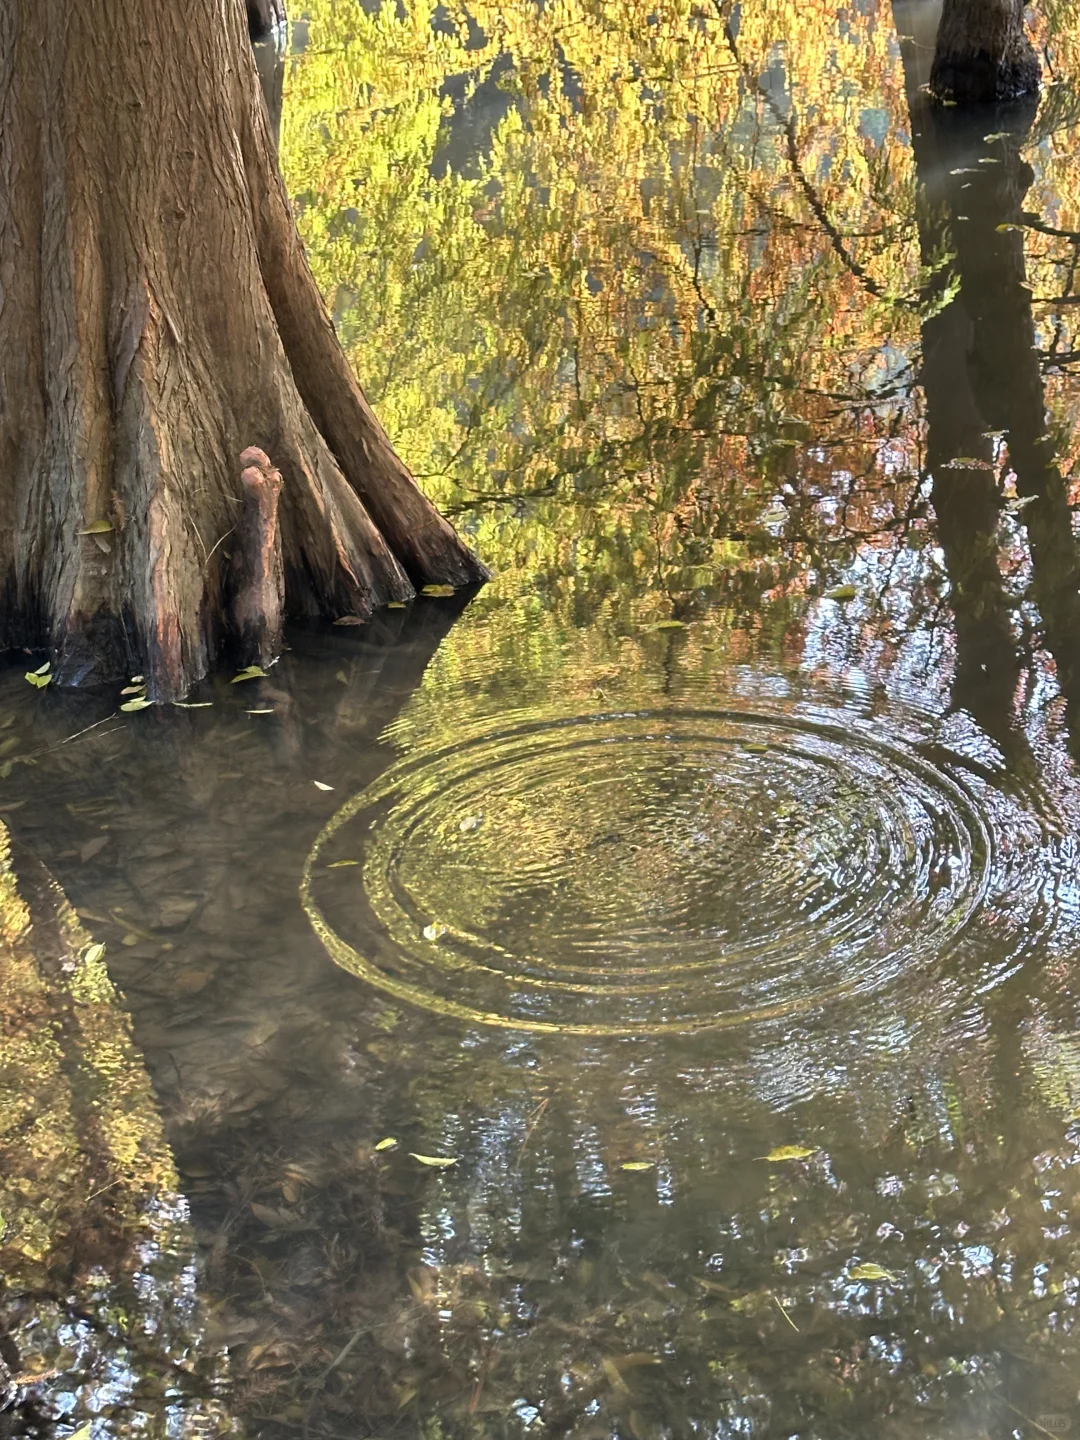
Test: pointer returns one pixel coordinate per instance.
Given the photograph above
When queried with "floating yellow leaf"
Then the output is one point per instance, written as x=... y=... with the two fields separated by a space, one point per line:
x=638 y=1165
x=97 y=527
x=470 y=823
x=790 y=1152
x=438 y=1162
x=395 y=605
x=388 y=1144
x=193 y=704
x=871 y=1272
x=139 y=703
x=341 y=864
x=841 y=592
x=94 y=954
x=434 y=932
x=321 y=785
x=670 y=625
x=437 y=590
x=39 y=679
x=249 y=672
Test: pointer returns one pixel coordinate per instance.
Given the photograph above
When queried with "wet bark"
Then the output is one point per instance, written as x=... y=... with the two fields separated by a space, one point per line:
x=983 y=54
x=157 y=318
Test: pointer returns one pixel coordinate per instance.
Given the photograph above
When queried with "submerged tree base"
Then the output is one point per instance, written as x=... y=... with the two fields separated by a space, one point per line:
x=983 y=54
x=157 y=318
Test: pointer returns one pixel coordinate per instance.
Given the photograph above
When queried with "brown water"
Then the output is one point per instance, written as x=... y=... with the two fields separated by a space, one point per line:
x=703 y=893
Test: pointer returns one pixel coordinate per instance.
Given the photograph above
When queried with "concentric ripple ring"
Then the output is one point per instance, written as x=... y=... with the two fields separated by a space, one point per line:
x=648 y=871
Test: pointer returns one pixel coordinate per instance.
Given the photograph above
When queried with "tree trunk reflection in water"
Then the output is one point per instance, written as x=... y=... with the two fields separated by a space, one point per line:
x=248 y=1031
x=982 y=380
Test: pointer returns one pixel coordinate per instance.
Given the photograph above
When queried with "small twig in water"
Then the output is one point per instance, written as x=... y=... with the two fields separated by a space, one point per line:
x=786 y=1316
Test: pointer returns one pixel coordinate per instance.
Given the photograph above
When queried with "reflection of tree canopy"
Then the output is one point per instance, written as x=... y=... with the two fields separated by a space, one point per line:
x=640 y=290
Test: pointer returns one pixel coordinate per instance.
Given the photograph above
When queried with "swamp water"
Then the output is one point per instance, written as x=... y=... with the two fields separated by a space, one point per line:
x=640 y=999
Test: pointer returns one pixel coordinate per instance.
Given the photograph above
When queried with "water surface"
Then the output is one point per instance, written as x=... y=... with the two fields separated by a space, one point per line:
x=704 y=892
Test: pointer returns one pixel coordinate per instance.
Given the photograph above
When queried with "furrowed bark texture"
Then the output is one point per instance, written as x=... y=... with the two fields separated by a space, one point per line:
x=157 y=318
x=983 y=54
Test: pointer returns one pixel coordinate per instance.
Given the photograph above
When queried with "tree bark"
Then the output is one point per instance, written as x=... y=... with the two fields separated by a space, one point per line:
x=157 y=318
x=983 y=54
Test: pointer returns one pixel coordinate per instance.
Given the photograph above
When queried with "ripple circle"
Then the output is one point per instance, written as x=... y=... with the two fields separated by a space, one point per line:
x=648 y=872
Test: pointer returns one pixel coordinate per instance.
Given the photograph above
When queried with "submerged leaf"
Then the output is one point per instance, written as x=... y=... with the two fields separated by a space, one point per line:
x=871 y=1272
x=841 y=592
x=249 y=672
x=791 y=1152
x=388 y=1144
x=439 y=1162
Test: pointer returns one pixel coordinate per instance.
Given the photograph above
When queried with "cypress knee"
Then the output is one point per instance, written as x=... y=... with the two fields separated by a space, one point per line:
x=258 y=580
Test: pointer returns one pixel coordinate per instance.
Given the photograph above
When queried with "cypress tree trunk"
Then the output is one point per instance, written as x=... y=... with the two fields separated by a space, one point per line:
x=983 y=54
x=157 y=318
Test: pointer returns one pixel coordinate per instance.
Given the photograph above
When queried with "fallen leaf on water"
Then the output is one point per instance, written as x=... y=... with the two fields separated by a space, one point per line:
x=320 y=785
x=39 y=678
x=83 y=1433
x=635 y=1360
x=638 y=1165
x=471 y=822
x=437 y=590
x=341 y=864
x=434 y=932
x=611 y=1370
x=94 y=954
x=139 y=703
x=395 y=605
x=350 y=620
x=1013 y=506
x=841 y=592
x=97 y=527
x=92 y=848
x=790 y=1152
x=756 y=747
x=670 y=625
x=265 y=710
x=249 y=672
x=133 y=690
x=388 y=1144
x=193 y=704
x=998 y=135
x=870 y=1272
x=439 y=1162
x=1004 y=229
